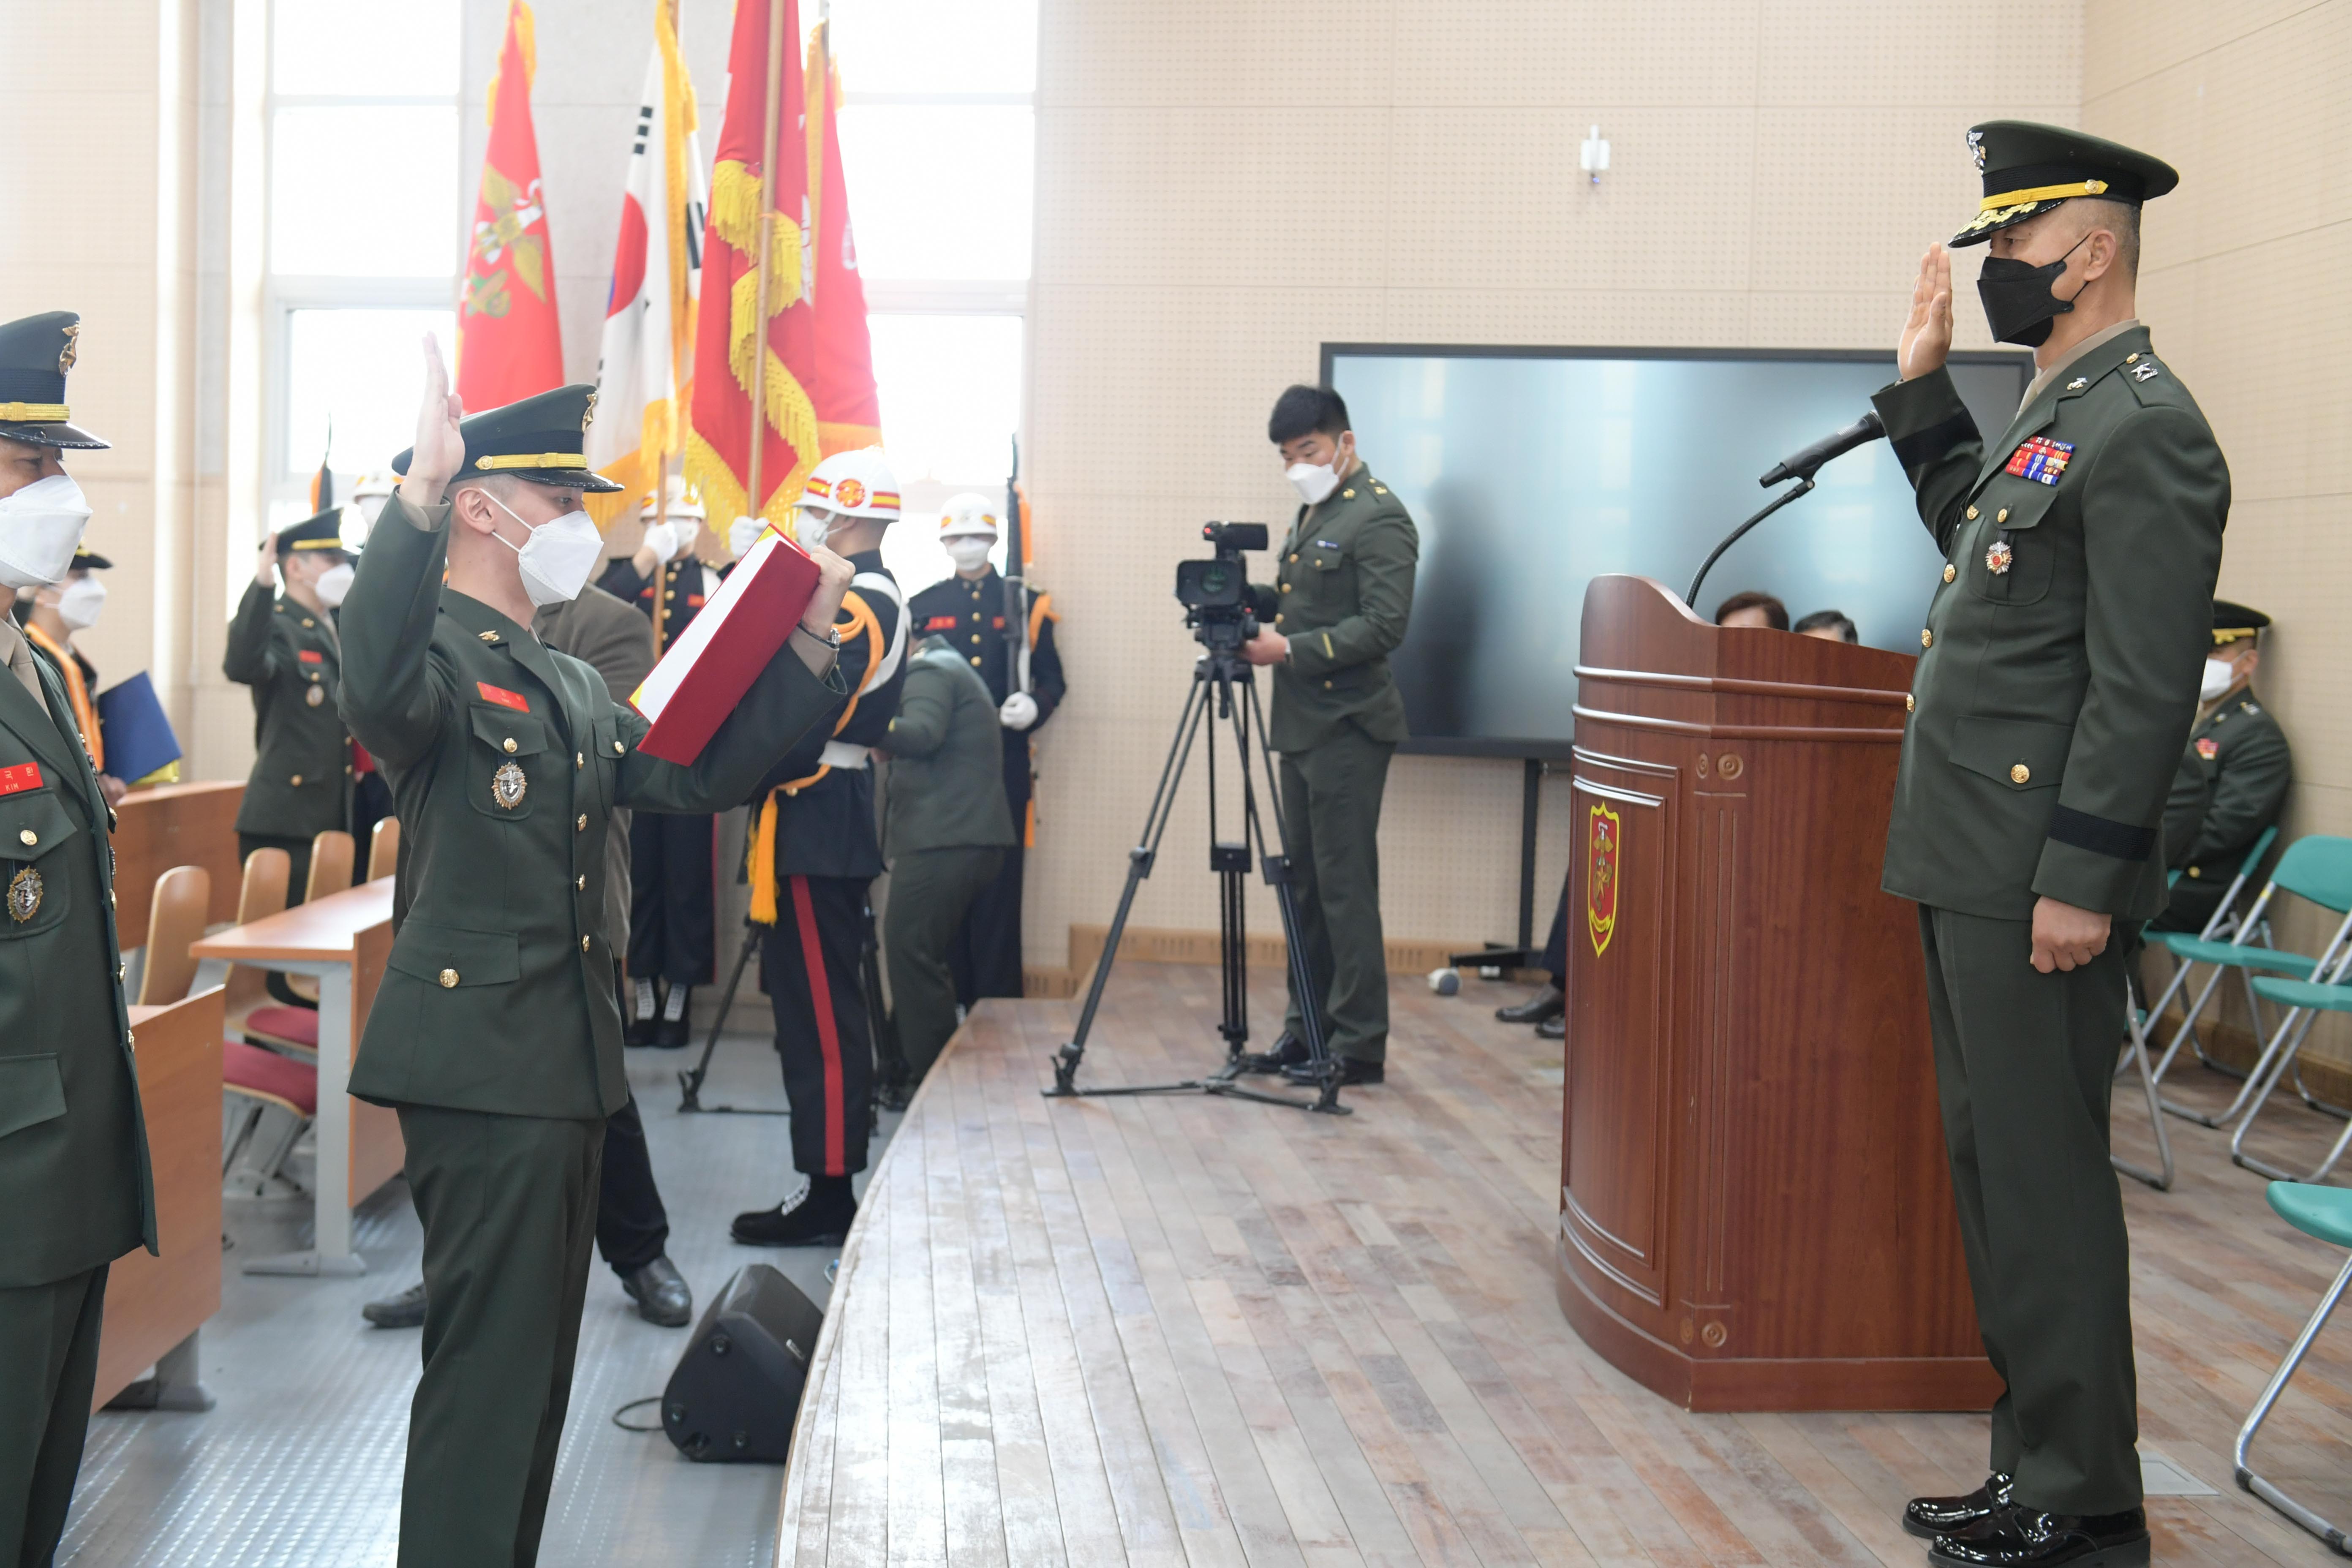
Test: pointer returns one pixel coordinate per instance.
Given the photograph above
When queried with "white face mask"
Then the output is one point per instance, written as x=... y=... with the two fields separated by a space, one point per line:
x=2220 y=676
x=810 y=526
x=968 y=551
x=1313 y=480
x=79 y=602
x=689 y=529
x=39 y=526
x=557 y=557
x=333 y=583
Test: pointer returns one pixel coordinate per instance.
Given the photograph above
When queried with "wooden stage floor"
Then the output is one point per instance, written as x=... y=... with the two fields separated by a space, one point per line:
x=1183 y=1331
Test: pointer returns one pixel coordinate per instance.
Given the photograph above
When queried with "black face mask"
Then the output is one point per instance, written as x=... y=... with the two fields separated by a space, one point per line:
x=2018 y=304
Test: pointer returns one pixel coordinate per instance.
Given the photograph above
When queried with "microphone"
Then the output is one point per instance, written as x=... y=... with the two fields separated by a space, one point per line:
x=1804 y=464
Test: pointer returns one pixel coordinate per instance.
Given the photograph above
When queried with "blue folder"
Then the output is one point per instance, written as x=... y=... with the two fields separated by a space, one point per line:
x=138 y=737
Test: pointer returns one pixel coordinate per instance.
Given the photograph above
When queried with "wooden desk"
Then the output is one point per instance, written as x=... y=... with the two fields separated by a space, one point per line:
x=155 y=1302
x=345 y=939
x=175 y=825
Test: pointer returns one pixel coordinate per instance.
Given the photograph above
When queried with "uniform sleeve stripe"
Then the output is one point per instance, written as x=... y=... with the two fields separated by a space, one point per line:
x=1922 y=448
x=2101 y=836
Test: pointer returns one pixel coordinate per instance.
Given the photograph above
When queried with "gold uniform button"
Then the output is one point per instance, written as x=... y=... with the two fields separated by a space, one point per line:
x=1972 y=514
x=579 y=759
x=583 y=944
x=975 y=636
x=975 y=615
x=1344 y=495
x=309 y=622
x=1927 y=640
x=616 y=748
x=29 y=836
x=580 y=825
x=2019 y=773
x=2002 y=516
x=975 y=658
x=448 y=980
x=581 y=882
x=2128 y=359
x=509 y=745
x=1294 y=555
x=297 y=779
x=1950 y=572
x=1286 y=587
x=1910 y=703
x=2196 y=870
x=1326 y=686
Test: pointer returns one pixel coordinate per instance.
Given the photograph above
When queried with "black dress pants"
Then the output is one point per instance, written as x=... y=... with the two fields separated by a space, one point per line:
x=632 y=1225
x=808 y=966
x=49 y=1369
x=1555 y=953
x=671 y=919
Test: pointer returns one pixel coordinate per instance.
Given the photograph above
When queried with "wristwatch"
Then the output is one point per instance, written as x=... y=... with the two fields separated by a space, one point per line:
x=832 y=638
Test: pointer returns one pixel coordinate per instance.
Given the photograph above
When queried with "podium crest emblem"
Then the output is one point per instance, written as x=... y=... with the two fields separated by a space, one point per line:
x=1603 y=844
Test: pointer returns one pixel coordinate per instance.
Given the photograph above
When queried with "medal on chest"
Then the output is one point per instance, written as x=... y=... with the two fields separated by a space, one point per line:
x=23 y=894
x=315 y=696
x=508 y=786
x=1999 y=558
x=2041 y=459
x=2208 y=747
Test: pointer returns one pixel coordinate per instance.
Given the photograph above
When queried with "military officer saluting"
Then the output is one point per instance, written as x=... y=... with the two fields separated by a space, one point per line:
x=2056 y=684
x=2232 y=778
x=74 y=1179
x=496 y=1033
x=286 y=649
x=968 y=610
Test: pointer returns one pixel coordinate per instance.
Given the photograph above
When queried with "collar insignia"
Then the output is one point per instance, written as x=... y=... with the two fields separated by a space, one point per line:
x=2079 y=383
x=2146 y=370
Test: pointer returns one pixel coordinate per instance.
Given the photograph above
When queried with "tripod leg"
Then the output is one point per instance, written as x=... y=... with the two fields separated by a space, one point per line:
x=690 y=1082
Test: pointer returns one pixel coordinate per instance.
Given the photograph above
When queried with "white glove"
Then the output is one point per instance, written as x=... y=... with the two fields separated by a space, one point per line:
x=1020 y=711
x=660 y=538
x=741 y=534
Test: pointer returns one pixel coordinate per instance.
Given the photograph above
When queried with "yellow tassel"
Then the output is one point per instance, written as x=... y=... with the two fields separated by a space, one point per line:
x=762 y=866
x=519 y=16
x=832 y=437
x=707 y=471
x=735 y=205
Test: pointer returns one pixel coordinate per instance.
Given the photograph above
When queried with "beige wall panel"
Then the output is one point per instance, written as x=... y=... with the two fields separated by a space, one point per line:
x=2127 y=41
x=1859 y=54
x=1558 y=316
x=1315 y=53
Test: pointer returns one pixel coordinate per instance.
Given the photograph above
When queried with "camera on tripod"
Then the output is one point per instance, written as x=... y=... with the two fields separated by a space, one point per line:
x=1220 y=605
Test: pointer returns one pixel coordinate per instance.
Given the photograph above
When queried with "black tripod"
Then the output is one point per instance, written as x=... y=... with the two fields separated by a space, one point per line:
x=1216 y=677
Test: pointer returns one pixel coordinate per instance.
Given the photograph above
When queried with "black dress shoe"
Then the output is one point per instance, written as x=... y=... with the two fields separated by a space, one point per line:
x=1553 y=1028
x=1929 y=1516
x=1352 y=1071
x=2018 y=1537
x=818 y=1217
x=661 y=1294
x=671 y=1034
x=406 y=1311
x=1545 y=1003
x=1288 y=1052
x=640 y=1031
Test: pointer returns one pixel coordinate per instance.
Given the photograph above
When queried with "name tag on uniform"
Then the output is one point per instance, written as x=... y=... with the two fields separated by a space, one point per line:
x=502 y=697
x=2041 y=459
x=694 y=601
x=940 y=624
x=310 y=656
x=1327 y=545
x=20 y=778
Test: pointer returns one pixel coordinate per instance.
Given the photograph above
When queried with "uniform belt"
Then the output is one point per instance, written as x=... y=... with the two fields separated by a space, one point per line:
x=842 y=754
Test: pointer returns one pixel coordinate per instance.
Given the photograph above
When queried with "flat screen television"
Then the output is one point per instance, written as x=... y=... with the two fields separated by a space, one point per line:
x=1529 y=471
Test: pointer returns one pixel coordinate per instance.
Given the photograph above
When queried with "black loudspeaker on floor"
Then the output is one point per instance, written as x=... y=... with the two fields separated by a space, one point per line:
x=738 y=1387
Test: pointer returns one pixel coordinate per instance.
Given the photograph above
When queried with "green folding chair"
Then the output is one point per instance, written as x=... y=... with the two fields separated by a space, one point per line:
x=2326 y=1213
x=2305 y=1000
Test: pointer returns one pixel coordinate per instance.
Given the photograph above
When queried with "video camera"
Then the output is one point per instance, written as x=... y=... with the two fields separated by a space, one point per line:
x=1220 y=605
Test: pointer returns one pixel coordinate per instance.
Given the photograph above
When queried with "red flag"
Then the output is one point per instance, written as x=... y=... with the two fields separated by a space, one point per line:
x=729 y=345
x=849 y=412
x=508 y=343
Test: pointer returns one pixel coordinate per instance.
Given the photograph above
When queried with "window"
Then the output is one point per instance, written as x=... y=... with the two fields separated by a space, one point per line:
x=362 y=123
x=938 y=132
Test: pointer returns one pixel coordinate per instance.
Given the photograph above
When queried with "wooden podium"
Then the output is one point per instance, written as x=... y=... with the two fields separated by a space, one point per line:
x=1755 y=1208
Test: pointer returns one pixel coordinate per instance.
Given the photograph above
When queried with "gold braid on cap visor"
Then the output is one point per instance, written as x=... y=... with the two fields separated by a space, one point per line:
x=34 y=413
x=533 y=460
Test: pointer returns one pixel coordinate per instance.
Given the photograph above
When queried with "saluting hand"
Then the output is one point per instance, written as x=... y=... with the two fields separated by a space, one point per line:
x=1928 y=331
x=440 y=450
x=265 y=565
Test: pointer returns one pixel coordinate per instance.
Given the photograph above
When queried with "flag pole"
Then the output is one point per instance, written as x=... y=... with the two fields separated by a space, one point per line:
x=774 y=114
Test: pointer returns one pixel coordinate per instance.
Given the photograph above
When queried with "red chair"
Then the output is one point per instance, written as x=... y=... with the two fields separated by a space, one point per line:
x=263 y=1079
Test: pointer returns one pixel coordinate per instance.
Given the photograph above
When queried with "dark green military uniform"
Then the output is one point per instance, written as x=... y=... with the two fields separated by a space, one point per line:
x=2231 y=784
x=946 y=830
x=496 y=1032
x=2056 y=683
x=300 y=785
x=1345 y=587
x=74 y=1179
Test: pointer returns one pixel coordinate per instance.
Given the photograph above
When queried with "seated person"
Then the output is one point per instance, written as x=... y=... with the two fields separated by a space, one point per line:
x=1751 y=608
x=2232 y=777
x=1830 y=626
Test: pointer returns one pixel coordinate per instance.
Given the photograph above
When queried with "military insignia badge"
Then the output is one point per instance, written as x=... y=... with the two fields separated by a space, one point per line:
x=23 y=894
x=316 y=695
x=2079 y=383
x=67 y=355
x=2208 y=747
x=1999 y=558
x=588 y=413
x=1604 y=844
x=508 y=786
x=849 y=492
x=2146 y=370
x=1977 y=148
x=2041 y=459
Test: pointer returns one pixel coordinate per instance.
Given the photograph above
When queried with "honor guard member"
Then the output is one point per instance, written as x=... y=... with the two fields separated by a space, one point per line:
x=813 y=856
x=2055 y=688
x=968 y=610
x=73 y=1150
x=286 y=649
x=673 y=938
x=51 y=616
x=2232 y=778
x=1344 y=583
x=496 y=1034
x=947 y=830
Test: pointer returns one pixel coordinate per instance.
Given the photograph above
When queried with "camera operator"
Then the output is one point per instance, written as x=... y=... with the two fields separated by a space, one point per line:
x=1342 y=594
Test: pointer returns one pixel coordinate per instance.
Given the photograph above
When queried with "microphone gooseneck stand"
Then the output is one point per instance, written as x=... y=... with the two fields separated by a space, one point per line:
x=1801 y=487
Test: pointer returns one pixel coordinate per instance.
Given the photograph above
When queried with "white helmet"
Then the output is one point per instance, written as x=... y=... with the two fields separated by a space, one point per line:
x=970 y=512
x=380 y=483
x=854 y=484
x=685 y=501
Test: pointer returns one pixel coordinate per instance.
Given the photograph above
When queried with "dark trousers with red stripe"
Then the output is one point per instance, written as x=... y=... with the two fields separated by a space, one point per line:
x=808 y=966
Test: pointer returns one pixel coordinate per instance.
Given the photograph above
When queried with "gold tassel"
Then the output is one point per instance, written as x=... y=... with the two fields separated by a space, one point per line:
x=762 y=867
x=707 y=471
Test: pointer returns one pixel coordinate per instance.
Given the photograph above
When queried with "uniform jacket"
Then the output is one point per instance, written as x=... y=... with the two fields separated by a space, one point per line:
x=824 y=824
x=599 y=630
x=945 y=749
x=505 y=760
x=970 y=613
x=74 y=1178
x=687 y=585
x=301 y=779
x=2058 y=670
x=1345 y=592
x=2232 y=780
